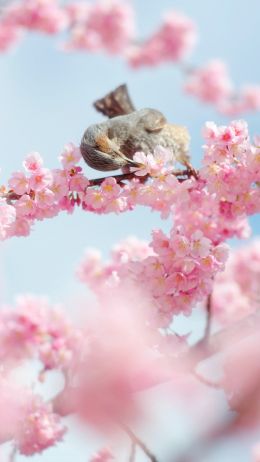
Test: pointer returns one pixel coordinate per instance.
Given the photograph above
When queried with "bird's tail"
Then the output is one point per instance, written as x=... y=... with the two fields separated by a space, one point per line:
x=115 y=103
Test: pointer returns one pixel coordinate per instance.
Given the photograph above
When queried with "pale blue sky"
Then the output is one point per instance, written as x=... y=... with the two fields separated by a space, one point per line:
x=46 y=100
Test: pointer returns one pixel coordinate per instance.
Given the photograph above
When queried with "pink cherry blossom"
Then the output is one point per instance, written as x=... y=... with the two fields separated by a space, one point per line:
x=40 y=179
x=60 y=184
x=163 y=274
x=110 y=188
x=250 y=96
x=19 y=183
x=200 y=245
x=39 y=429
x=235 y=290
x=127 y=340
x=77 y=11
x=152 y=164
x=104 y=455
x=25 y=206
x=70 y=156
x=10 y=35
x=105 y=25
x=173 y=41
x=44 y=198
x=40 y=15
x=210 y=83
x=78 y=183
x=33 y=162
x=7 y=218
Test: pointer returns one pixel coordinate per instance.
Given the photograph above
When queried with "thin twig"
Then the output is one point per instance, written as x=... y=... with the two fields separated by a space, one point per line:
x=205 y=381
x=12 y=455
x=132 y=452
x=119 y=178
x=138 y=442
x=190 y=171
x=207 y=331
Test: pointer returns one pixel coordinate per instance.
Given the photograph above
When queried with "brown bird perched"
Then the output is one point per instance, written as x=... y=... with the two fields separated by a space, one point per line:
x=111 y=145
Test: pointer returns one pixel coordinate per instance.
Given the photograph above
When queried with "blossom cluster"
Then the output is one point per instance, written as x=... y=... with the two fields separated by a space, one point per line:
x=104 y=455
x=45 y=16
x=104 y=25
x=212 y=84
x=235 y=293
x=27 y=419
x=173 y=274
x=33 y=329
x=109 y=25
x=37 y=330
x=43 y=193
x=126 y=347
x=232 y=169
x=173 y=41
x=104 y=363
x=217 y=203
x=118 y=350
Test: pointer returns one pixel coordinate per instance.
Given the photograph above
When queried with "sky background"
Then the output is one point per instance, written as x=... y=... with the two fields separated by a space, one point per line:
x=46 y=101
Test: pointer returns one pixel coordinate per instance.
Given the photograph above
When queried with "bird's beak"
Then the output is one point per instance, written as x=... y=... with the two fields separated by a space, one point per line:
x=128 y=161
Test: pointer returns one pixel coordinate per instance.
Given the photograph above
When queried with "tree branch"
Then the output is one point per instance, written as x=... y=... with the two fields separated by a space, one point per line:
x=182 y=175
x=132 y=452
x=207 y=331
x=136 y=441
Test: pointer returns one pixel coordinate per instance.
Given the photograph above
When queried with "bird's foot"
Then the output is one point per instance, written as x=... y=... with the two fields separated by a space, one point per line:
x=191 y=170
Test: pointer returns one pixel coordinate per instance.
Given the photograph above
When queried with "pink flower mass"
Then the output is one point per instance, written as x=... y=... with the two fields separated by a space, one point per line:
x=173 y=41
x=168 y=277
x=110 y=26
x=168 y=321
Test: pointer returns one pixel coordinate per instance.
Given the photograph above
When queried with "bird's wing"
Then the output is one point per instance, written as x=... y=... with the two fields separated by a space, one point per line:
x=115 y=103
x=153 y=121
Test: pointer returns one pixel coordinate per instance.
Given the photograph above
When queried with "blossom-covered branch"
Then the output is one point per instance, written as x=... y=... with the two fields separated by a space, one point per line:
x=116 y=353
x=217 y=202
x=109 y=25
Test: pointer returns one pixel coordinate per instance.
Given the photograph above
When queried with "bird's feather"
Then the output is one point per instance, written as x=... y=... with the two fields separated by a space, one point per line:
x=115 y=103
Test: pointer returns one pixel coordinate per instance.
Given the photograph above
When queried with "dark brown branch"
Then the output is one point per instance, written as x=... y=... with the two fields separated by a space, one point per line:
x=138 y=442
x=119 y=178
x=208 y=318
x=183 y=174
x=129 y=176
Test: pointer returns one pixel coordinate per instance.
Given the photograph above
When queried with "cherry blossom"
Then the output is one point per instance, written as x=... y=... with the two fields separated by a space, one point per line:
x=107 y=25
x=33 y=162
x=104 y=455
x=39 y=428
x=40 y=15
x=10 y=35
x=19 y=183
x=126 y=339
x=176 y=274
x=172 y=42
x=7 y=218
x=119 y=350
x=210 y=83
x=216 y=203
x=235 y=293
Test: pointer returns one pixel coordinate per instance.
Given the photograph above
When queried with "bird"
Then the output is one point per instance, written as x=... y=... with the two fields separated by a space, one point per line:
x=111 y=144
